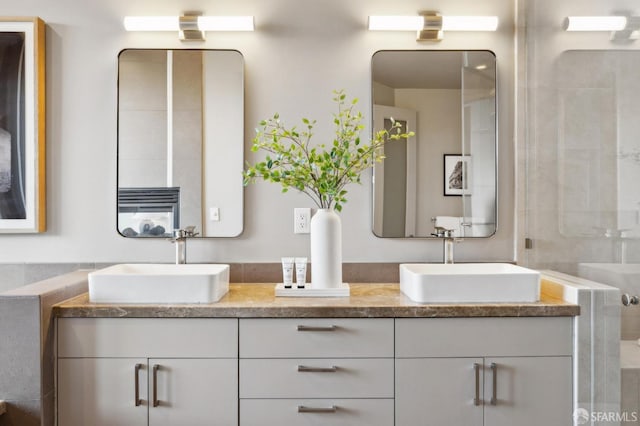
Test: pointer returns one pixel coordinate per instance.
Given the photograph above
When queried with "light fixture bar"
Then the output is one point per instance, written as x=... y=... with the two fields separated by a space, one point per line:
x=595 y=23
x=396 y=23
x=225 y=23
x=449 y=23
x=204 y=23
x=151 y=23
x=469 y=23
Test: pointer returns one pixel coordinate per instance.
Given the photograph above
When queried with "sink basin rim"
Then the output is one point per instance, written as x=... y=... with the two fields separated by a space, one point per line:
x=469 y=283
x=140 y=283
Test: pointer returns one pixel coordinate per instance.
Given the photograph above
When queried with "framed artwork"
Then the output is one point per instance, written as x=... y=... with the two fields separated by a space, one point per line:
x=457 y=172
x=22 y=125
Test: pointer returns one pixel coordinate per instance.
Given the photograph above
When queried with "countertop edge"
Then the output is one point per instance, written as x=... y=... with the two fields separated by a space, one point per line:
x=366 y=301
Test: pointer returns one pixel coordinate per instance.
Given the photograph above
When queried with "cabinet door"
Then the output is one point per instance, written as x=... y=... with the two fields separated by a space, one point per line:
x=101 y=392
x=193 y=392
x=438 y=391
x=530 y=391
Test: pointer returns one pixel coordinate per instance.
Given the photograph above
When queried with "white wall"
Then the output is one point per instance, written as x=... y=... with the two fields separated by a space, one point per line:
x=223 y=164
x=300 y=52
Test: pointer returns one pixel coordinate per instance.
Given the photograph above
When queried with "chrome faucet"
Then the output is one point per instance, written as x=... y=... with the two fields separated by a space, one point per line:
x=447 y=243
x=180 y=240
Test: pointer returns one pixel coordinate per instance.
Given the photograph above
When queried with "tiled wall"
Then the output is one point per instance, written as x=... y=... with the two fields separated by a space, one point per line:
x=596 y=354
x=27 y=369
x=13 y=275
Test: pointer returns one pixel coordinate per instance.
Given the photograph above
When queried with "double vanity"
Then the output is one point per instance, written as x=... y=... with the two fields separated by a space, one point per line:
x=375 y=358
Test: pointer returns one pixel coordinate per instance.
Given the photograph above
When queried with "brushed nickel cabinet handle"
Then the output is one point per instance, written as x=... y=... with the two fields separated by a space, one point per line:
x=156 y=367
x=494 y=391
x=476 y=399
x=317 y=328
x=305 y=369
x=136 y=380
x=304 y=409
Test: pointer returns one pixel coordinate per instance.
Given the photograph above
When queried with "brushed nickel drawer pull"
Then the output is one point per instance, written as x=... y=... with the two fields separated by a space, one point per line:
x=476 y=399
x=494 y=391
x=304 y=409
x=156 y=367
x=317 y=328
x=136 y=380
x=305 y=369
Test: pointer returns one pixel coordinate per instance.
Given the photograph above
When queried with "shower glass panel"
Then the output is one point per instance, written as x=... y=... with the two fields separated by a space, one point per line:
x=478 y=106
x=580 y=153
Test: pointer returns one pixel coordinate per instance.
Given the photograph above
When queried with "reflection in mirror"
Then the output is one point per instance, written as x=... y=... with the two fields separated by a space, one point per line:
x=444 y=177
x=180 y=142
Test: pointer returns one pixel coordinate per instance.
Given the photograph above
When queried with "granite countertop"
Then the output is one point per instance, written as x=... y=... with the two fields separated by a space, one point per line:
x=366 y=301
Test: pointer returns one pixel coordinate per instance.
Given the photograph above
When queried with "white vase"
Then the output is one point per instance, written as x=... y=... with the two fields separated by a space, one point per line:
x=326 y=249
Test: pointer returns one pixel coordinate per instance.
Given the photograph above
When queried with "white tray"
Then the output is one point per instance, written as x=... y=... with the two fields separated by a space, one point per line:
x=342 y=291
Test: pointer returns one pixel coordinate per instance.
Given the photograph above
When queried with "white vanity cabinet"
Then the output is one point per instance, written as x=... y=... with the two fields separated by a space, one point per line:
x=147 y=371
x=332 y=372
x=484 y=371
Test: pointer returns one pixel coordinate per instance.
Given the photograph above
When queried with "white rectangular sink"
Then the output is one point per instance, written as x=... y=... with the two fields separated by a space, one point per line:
x=469 y=283
x=159 y=283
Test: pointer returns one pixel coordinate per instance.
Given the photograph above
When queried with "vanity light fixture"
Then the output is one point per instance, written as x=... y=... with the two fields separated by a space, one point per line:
x=622 y=28
x=595 y=23
x=430 y=25
x=191 y=27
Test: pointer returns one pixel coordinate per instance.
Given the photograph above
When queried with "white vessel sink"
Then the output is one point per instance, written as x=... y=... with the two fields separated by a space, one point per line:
x=159 y=283
x=469 y=283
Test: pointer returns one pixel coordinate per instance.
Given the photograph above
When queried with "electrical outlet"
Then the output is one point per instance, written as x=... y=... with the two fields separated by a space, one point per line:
x=301 y=220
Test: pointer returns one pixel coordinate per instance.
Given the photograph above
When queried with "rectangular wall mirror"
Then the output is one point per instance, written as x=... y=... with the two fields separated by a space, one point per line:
x=180 y=142
x=445 y=177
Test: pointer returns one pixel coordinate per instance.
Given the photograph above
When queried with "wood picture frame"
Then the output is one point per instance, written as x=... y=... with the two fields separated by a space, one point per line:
x=22 y=125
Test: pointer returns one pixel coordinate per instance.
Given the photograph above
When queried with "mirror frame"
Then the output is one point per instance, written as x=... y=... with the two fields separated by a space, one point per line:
x=241 y=145
x=495 y=154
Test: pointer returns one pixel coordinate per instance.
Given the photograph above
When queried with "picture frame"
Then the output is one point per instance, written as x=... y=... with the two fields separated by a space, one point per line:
x=457 y=174
x=22 y=125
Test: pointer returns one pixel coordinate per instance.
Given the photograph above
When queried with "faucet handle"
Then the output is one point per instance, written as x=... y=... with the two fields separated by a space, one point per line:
x=190 y=231
x=443 y=232
x=628 y=300
x=181 y=234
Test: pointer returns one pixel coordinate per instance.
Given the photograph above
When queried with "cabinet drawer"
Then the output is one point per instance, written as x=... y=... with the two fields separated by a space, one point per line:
x=338 y=412
x=316 y=338
x=316 y=378
x=451 y=337
x=144 y=337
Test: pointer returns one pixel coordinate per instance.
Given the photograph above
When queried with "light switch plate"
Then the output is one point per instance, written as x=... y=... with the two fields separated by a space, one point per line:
x=214 y=214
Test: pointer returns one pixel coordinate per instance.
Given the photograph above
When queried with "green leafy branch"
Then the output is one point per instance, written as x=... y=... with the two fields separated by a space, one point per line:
x=317 y=171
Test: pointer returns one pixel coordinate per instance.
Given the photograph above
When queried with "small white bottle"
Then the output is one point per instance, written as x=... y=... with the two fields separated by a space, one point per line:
x=301 y=272
x=287 y=271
